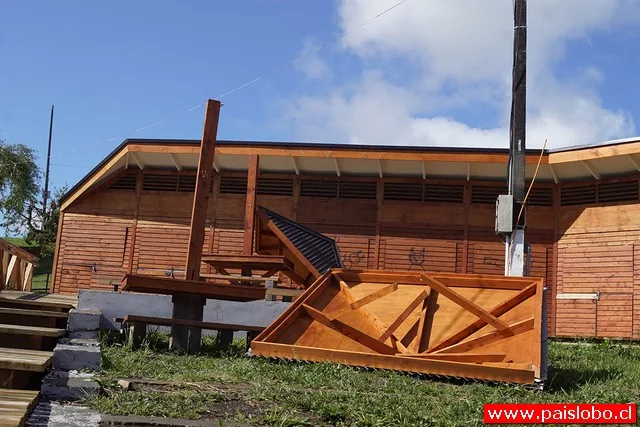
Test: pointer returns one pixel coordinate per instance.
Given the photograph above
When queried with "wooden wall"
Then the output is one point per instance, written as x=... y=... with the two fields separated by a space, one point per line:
x=577 y=249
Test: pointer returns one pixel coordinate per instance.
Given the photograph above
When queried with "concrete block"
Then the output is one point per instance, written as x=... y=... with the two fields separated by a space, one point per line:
x=84 y=320
x=79 y=341
x=85 y=335
x=54 y=414
x=71 y=385
x=68 y=357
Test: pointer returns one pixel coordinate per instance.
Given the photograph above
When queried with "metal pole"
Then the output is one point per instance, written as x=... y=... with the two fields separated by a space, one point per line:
x=517 y=143
x=45 y=194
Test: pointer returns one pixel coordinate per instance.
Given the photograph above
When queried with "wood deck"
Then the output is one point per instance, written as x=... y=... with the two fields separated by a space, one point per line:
x=24 y=360
x=15 y=406
x=38 y=301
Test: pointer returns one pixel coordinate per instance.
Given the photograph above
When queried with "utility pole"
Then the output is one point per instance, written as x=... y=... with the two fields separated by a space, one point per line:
x=515 y=240
x=45 y=194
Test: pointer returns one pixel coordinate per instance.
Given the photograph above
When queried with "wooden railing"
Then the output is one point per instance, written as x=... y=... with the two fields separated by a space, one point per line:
x=17 y=267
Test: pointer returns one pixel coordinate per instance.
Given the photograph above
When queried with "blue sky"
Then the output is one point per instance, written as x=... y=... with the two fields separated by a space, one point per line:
x=425 y=73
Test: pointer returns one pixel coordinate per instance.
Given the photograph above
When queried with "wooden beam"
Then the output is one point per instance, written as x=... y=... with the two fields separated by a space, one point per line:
x=216 y=167
x=461 y=357
x=175 y=161
x=468 y=171
x=250 y=205
x=137 y=160
x=134 y=223
x=348 y=331
x=17 y=251
x=424 y=170
x=591 y=169
x=425 y=323
x=593 y=153
x=12 y=265
x=466 y=201
x=403 y=316
x=56 y=253
x=295 y=165
x=553 y=174
x=475 y=326
x=94 y=178
x=374 y=296
x=634 y=162
x=517 y=328
x=466 y=304
x=380 y=168
x=380 y=201
x=26 y=285
x=202 y=190
x=337 y=165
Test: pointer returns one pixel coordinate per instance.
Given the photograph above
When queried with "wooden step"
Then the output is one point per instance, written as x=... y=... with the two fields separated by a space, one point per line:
x=32 y=312
x=24 y=360
x=31 y=330
x=15 y=406
x=38 y=304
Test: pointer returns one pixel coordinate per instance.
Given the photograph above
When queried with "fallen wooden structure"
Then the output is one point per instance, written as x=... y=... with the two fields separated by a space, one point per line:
x=17 y=268
x=471 y=326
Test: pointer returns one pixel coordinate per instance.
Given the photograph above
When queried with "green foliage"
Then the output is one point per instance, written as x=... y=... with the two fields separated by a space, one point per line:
x=45 y=236
x=19 y=186
x=20 y=198
x=260 y=391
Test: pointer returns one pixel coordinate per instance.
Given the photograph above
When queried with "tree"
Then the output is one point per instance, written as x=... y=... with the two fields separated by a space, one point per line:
x=19 y=186
x=20 y=203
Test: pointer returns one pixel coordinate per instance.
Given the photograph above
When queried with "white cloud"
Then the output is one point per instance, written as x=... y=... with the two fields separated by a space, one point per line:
x=465 y=47
x=310 y=62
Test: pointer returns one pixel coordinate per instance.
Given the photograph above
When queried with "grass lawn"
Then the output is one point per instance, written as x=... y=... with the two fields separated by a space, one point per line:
x=225 y=385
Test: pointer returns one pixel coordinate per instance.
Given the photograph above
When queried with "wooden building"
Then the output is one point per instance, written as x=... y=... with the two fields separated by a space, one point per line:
x=388 y=208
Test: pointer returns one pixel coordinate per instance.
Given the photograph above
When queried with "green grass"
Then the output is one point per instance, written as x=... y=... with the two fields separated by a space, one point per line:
x=260 y=391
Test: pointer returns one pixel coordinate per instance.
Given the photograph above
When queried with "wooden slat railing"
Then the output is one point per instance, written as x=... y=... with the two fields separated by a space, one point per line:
x=17 y=267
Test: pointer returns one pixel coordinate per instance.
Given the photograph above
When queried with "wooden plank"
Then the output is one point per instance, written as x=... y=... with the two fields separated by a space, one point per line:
x=488 y=338
x=35 y=313
x=461 y=357
x=10 y=270
x=28 y=273
x=426 y=321
x=284 y=292
x=250 y=205
x=16 y=405
x=203 y=186
x=499 y=310
x=348 y=331
x=40 y=302
x=31 y=330
x=398 y=363
x=17 y=251
x=466 y=304
x=403 y=316
x=134 y=224
x=162 y=321
x=167 y=286
x=24 y=360
x=258 y=262
x=235 y=278
x=374 y=296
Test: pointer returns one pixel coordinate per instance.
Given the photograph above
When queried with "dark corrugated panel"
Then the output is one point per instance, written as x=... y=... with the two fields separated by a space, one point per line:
x=320 y=250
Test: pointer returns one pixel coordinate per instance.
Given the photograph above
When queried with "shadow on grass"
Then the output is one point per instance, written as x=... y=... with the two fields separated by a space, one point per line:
x=569 y=379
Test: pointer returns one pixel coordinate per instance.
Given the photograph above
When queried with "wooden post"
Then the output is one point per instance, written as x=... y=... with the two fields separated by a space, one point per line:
x=465 y=243
x=379 y=199
x=191 y=307
x=250 y=206
x=134 y=224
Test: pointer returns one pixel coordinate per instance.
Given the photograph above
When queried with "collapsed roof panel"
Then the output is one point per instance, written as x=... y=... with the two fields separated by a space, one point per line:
x=471 y=326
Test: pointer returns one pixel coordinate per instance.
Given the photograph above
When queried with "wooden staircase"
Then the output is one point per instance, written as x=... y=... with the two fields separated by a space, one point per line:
x=30 y=325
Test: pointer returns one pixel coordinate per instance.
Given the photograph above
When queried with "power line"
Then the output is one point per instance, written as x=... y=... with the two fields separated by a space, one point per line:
x=237 y=88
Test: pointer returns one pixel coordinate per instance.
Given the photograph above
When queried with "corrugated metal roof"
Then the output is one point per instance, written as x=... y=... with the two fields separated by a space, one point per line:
x=320 y=250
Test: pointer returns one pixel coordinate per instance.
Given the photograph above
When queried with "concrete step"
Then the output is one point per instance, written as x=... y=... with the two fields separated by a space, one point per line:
x=69 y=357
x=69 y=385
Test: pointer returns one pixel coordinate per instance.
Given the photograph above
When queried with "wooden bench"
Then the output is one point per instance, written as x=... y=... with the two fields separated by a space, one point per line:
x=18 y=366
x=28 y=317
x=15 y=406
x=135 y=327
x=29 y=337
